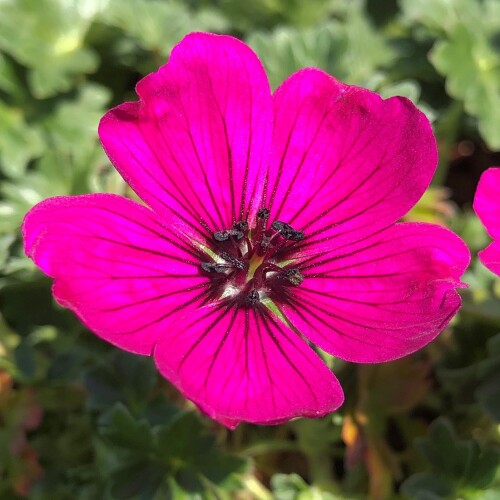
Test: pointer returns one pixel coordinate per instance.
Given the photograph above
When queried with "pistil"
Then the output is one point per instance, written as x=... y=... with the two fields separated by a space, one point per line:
x=255 y=262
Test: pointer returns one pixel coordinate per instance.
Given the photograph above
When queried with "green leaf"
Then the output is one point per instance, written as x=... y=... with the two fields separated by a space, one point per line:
x=293 y=487
x=138 y=479
x=483 y=467
x=120 y=428
x=66 y=366
x=465 y=54
x=472 y=71
x=456 y=465
x=406 y=88
x=440 y=15
x=287 y=486
x=47 y=36
x=437 y=447
x=6 y=242
x=19 y=142
x=488 y=391
x=162 y=23
x=189 y=480
x=184 y=438
x=136 y=374
x=494 y=345
x=103 y=388
x=351 y=50
x=368 y=51
x=20 y=195
x=24 y=356
x=72 y=128
x=285 y=50
x=259 y=14
x=9 y=81
x=427 y=486
x=192 y=453
x=216 y=466
x=126 y=378
x=71 y=156
x=160 y=411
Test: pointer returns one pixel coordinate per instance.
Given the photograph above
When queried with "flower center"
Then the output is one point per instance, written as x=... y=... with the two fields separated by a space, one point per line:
x=252 y=265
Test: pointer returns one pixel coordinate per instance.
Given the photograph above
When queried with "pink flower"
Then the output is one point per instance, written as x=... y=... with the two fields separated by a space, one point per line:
x=272 y=223
x=487 y=208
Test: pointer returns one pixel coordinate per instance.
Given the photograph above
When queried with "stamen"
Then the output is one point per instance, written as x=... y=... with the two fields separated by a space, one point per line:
x=293 y=275
x=212 y=267
x=265 y=243
x=239 y=264
x=253 y=297
x=242 y=225
x=221 y=235
x=287 y=231
x=297 y=235
x=236 y=234
x=254 y=261
x=263 y=213
x=225 y=234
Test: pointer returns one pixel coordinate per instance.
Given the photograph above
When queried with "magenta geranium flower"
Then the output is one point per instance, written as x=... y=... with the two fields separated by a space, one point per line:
x=271 y=224
x=487 y=208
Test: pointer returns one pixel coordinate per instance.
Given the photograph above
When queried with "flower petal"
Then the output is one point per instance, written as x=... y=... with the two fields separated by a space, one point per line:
x=345 y=162
x=490 y=257
x=115 y=265
x=245 y=365
x=385 y=300
x=198 y=140
x=487 y=207
x=487 y=201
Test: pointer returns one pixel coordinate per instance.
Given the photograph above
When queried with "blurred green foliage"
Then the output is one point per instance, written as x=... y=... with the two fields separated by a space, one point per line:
x=79 y=419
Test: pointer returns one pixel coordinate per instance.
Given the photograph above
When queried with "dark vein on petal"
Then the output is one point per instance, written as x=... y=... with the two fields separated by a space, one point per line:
x=414 y=252
x=154 y=298
x=166 y=315
x=188 y=203
x=266 y=315
x=341 y=160
x=220 y=346
x=301 y=163
x=208 y=329
x=112 y=226
x=200 y=163
x=161 y=187
x=329 y=326
x=140 y=249
x=264 y=357
x=386 y=328
x=287 y=145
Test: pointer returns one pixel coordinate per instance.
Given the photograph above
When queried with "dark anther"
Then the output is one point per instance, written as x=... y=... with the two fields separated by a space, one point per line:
x=226 y=233
x=282 y=227
x=239 y=264
x=235 y=233
x=242 y=225
x=293 y=275
x=252 y=297
x=297 y=235
x=221 y=235
x=265 y=243
x=263 y=213
x=212 y=267
x=287 y=231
